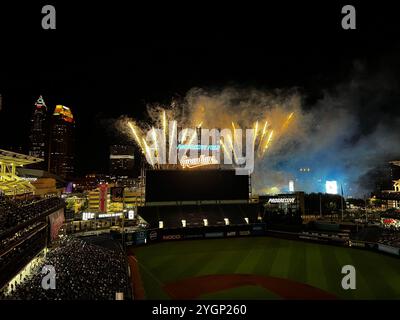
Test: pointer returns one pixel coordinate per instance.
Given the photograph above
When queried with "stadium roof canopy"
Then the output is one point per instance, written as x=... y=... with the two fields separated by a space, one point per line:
x=10 y=182
x=9 y=157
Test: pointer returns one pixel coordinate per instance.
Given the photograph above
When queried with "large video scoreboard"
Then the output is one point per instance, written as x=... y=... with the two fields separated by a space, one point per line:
x=189 y=185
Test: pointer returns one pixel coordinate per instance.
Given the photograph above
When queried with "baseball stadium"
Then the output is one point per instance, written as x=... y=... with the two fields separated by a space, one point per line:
x=224 y=249
x=210 y=237
x=262 y=268
x=187 y=161
x=193 y=229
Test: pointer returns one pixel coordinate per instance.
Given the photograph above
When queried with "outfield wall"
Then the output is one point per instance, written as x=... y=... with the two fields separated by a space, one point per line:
x=249 y=230
x=212 y=232
x=215 y=232
x=373 y=246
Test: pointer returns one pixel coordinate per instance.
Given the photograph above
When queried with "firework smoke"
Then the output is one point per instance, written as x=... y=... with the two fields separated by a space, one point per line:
x=328 y=137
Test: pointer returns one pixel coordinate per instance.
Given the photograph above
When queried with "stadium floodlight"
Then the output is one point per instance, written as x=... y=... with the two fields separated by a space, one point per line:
x=331 y=187
x=160 y=224
x=205 y=221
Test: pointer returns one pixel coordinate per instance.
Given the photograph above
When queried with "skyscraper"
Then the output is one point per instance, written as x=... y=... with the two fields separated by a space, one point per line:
x=39 y=132
x=122 y=160
x=61 y=157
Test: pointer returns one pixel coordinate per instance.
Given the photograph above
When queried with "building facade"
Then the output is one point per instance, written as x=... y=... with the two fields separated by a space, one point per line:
x=38 y=146
x=122 y=160
x=61 y=155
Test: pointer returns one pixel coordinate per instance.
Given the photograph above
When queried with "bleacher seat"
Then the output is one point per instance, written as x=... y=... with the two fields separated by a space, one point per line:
x=194 y=215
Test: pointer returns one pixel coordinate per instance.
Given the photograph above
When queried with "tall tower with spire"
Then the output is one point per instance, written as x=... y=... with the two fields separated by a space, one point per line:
x=39 y=132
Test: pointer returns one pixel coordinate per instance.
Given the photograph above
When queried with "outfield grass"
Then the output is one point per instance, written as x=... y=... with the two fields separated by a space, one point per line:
x=317 y=265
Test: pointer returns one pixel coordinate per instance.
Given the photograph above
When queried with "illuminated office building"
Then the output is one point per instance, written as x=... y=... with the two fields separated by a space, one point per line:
x=122 y=160
x=61 y=155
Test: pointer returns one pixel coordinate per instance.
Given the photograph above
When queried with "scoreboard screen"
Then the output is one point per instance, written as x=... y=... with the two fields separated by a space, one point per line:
x=189 y=185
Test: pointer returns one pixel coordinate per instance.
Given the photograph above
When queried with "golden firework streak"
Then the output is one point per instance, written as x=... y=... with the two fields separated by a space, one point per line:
x=155 y=141
x=135 y=135
x=264 y=131
x=231 y=145
x=146 y=147
x=164 y=121
x=262 y=136
x=285 y=124
x=255 y=132
x=174 y=123
x=268 y=141
x=184 y=135
x=225 y=149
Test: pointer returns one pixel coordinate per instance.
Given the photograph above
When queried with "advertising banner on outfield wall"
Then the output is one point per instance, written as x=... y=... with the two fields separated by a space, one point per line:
x=258 y=229
x=371 y=245
x=153 y=235
x=139 y=237
x=172 y=237
x=388 y=249
x=214 y=234
x=231 y=233
x=193 y=236
x=244 y=233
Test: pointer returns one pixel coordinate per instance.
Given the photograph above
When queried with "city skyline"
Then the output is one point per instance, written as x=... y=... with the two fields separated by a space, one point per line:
x=330 y=68
x=200 y=157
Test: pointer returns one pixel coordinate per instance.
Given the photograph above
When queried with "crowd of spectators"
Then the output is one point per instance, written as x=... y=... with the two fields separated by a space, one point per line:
x=84 y=271
x=390 y=238
x=14 y=242
x=15 y=212
x=17 y=236
x=387 y=236
x=16 y=256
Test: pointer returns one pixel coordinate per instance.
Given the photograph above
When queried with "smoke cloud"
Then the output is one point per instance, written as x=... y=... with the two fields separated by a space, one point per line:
x=353 y=128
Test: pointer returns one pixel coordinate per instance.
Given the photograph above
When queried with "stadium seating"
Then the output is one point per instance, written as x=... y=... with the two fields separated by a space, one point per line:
x=13 y=213
x=194 y=215
x=86 y=270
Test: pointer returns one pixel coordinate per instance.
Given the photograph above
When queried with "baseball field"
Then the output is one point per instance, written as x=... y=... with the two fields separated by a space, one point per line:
x=262 y=268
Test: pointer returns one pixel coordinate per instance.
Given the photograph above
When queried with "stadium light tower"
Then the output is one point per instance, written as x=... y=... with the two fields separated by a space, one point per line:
x=331 y=187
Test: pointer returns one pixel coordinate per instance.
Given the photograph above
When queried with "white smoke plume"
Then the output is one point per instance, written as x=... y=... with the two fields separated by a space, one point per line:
x=333 y=139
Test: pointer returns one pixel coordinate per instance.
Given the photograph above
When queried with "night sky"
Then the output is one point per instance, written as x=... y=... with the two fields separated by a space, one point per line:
x=106 y=61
